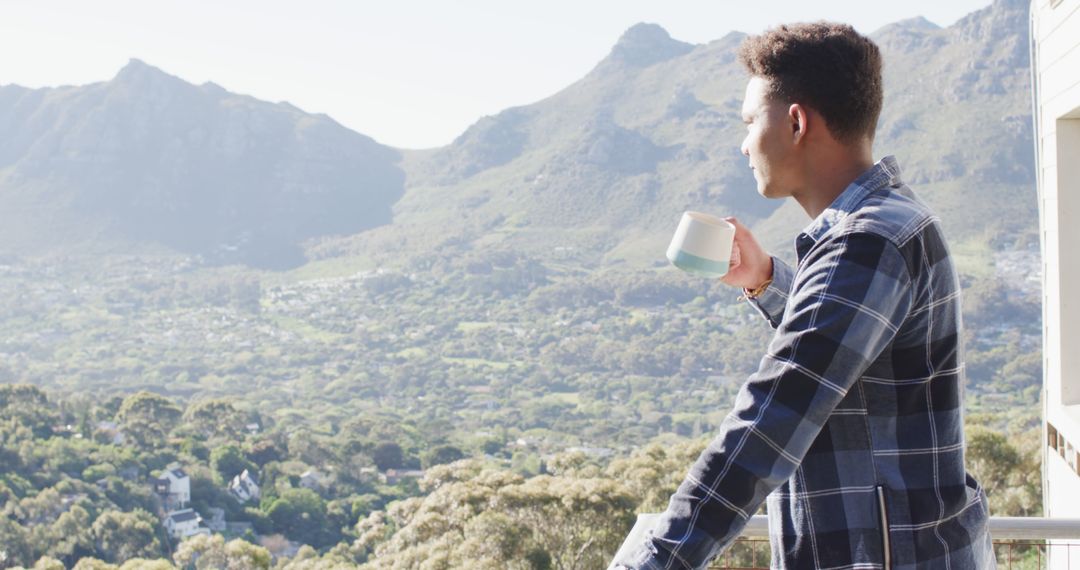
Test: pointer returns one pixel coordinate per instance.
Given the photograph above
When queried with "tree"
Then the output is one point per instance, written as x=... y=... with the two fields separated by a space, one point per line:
x=441 y=455
x=303 y=445
x=121 y=536
x=94 y=564
x=211 y=552
x=16 y=550
x=654 y=472
x=144 y=564
x=48 y=563
x=266 y=450
x=492 y=446
x=228 y=461
x=388 y=455
x=1009 y=473
x=579 y=523
x=70 y=536
x=148 y=418
x=300 y=514
x=215 y=419
x=477 y=517
x=28 y=406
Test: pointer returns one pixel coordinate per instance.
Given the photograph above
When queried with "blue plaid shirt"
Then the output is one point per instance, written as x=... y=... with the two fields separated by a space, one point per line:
x=852 y=426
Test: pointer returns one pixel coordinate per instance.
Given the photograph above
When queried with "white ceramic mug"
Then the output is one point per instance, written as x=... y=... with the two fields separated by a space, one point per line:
x=702 y=244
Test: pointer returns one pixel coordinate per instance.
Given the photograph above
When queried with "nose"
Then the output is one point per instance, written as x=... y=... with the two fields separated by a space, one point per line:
x=745 y=149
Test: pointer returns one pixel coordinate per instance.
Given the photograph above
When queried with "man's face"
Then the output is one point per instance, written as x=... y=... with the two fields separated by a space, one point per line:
x=769 y=141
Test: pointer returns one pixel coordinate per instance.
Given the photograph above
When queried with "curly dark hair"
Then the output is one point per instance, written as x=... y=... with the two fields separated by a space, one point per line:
x=828 y=67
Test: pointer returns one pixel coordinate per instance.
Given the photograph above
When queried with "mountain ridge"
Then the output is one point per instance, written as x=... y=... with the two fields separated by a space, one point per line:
x=149 y=158
x=604 y=165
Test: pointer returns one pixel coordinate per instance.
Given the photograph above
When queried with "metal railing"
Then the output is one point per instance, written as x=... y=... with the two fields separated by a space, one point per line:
x=1020 y=543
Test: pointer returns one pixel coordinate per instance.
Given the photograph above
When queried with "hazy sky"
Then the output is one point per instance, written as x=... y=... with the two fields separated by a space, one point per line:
x=409 y=73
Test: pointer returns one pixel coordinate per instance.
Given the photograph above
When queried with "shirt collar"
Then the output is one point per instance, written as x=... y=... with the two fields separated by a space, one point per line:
x=885 y=173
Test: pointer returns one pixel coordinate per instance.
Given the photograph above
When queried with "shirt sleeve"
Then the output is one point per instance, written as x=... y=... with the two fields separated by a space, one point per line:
x=772 y=301
x=849 y=299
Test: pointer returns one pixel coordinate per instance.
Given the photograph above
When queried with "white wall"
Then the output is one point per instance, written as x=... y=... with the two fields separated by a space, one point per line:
x=1056 y=31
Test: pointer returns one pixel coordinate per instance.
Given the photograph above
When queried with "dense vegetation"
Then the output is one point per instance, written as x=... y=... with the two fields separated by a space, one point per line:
x=73 y=496
x=548 y=383
x=463 y=350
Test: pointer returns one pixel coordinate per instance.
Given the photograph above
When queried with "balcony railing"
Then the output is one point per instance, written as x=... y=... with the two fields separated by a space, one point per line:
x=1020 y=543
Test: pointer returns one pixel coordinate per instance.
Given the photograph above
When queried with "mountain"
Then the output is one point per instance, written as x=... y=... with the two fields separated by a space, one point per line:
x=607 y=165
x=147 y=160
x=596 y=174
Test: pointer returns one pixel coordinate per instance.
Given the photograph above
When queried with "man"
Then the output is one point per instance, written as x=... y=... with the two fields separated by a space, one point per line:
x=852 y=425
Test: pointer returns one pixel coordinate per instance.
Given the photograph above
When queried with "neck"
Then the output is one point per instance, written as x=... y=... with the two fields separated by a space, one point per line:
x=828 y=177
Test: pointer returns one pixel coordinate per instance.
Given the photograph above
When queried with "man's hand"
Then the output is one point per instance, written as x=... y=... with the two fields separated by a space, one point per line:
x=750 y=264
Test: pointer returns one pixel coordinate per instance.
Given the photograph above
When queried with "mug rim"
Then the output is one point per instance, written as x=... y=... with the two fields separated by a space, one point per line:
x=708 y=218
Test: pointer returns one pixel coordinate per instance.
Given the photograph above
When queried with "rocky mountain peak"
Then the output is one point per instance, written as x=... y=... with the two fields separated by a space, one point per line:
x=140 y=75
x=1001 y=19
x=918 y=23
x=905 y=35
x=645 y=44
x=137 y=68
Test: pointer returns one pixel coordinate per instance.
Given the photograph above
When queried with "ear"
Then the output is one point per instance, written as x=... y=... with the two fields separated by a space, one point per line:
x=797 y=116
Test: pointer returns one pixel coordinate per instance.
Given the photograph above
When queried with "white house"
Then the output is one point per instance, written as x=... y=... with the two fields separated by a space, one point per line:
x=184 y=523
x=244 y=487
x=174 y=487
x=1055 y=38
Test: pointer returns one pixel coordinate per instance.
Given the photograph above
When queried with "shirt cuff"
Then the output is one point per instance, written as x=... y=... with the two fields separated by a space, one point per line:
x=772 y=301
x=649 y=557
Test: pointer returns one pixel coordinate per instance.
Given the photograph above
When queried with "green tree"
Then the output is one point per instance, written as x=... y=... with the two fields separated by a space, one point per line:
x=148 y=418
x=215 y=419
x=15 y=549
x=441 y=455
x=228 y=461
x=266 y=450
x=1009 y=472
x=388 y=455
x=28 y=406
x=211 y=552
x=70 y=537
x=300 y=514
x=477 y=517
x=121 y=536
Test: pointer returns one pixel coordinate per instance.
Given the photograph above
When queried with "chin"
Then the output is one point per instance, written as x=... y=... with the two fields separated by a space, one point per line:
x=772 y=191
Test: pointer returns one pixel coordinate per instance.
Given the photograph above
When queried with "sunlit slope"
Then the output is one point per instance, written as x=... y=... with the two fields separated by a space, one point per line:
x=601 y=170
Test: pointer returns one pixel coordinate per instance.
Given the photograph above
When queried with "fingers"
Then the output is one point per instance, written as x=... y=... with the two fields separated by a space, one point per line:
x=742 y=233
x=750 y=265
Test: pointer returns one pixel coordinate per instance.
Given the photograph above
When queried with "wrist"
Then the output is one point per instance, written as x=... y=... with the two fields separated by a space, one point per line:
x=762 y=284
x=756 y=291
